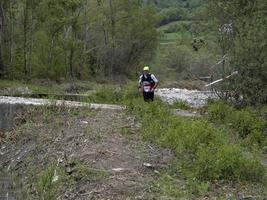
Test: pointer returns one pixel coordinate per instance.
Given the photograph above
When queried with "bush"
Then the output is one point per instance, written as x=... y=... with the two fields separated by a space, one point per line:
x=171 y=14
x=114 y=95
x=245 y=122
x=227 y=163
x=179 y=59
x=249 y=124
x=46 y=186
x=173 y=29
x=219 y=111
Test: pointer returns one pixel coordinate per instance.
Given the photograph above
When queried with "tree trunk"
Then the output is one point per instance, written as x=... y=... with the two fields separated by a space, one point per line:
x=112 y=18
x=25 y=34
x=85 y=42
x=50 y=57
x=31 y=42
x=2 y=66
x=11 y=29
x=71 y=61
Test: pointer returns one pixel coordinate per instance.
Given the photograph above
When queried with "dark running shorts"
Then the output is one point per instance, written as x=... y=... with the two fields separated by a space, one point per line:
x=148 y=96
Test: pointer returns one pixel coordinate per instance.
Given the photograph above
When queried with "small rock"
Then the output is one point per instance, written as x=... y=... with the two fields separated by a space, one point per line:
x=69 y=170
x=118 y=169
x=148 y=165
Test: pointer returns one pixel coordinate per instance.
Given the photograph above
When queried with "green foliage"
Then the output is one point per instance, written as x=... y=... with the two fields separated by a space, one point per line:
x=83 y=172
x=180 y=105
x=186 y=62
x=177 y=27
x=171 y=14
x=114 y=95
x=219 y=111
x=246 y=47
x=206 y=152
x=227 y=162
x=167 y=188
x=47 y=186
x=179 y=59
x=77 y=38
x=250 y=125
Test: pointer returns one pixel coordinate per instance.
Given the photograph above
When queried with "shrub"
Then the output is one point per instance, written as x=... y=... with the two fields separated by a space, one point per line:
x=47 y=187
x=227 y=163
x=249 y=124
x=179 y=59
x=219 y=111
x=245 y=122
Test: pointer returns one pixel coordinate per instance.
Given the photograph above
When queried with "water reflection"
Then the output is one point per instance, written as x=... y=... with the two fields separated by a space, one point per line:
x=7 y=115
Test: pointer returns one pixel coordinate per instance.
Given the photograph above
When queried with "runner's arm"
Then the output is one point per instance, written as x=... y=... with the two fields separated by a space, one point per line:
x=140 y=83
x=155 y=80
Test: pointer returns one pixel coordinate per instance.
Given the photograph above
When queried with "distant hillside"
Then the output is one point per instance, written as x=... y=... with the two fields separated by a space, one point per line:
x=175 y=10
x=176 y=3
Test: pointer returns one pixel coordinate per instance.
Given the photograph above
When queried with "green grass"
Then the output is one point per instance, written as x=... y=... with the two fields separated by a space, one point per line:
x=165 y=27
x=180 y=105
x=35 y=88
x=170 y=37
x=83 y=172
x=50 y=87
x=248 y=124
x=47 y=184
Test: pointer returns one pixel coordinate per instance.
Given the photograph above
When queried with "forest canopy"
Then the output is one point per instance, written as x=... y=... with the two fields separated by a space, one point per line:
x=74 y=38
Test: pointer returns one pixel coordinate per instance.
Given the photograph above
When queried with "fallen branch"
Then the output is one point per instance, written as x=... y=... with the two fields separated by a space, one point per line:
x=222 y=79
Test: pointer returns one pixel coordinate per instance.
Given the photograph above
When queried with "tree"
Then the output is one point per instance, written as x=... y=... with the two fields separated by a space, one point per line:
x=2 y=66
x=247 y=48
x=75 y=38
x=124 y=34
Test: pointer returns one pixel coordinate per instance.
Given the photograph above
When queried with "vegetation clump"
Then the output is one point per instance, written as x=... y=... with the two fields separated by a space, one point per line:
x=208 y=153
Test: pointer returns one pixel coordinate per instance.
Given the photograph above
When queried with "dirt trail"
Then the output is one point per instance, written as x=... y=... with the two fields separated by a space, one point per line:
x=82 y=139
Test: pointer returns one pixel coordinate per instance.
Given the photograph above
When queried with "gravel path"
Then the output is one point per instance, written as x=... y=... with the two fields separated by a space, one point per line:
x=194 y=98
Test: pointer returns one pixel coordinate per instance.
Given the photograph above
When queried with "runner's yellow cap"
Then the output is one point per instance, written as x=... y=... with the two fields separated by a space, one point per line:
x=146 y=68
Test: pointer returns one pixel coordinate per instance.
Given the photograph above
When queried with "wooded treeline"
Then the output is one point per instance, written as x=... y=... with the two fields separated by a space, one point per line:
x=74 y=38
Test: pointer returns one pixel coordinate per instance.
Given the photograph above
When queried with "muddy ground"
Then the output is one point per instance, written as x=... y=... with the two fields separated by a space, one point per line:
x=56 y=153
